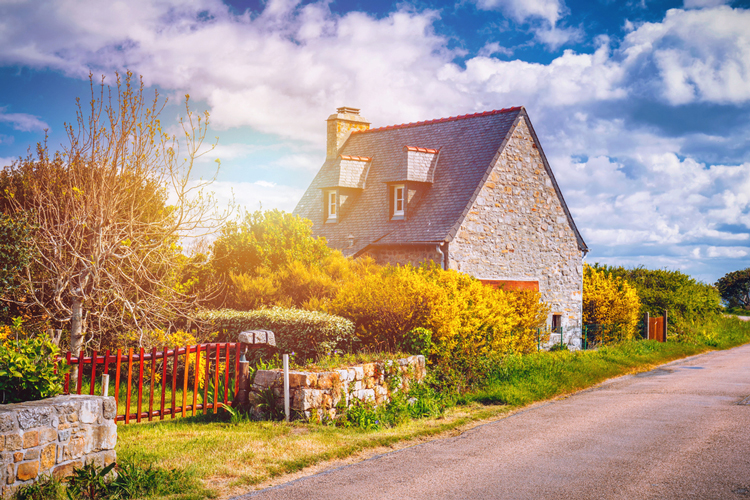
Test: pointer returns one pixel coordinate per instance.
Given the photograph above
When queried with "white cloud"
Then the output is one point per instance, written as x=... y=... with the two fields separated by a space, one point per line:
x=525 y=10
x=555 y=37
x=22 y=122
x=284 y=71
x=6 y=162
x=252 y=195
x=731 y=252
x=702 y=4
x=543 y=17
x=700 y=55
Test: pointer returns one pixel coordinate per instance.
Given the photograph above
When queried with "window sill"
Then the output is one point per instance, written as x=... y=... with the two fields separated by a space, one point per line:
x=398 y=217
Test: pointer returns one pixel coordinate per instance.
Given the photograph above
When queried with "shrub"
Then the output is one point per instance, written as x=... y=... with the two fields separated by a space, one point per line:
x=610 y=300
x=308 y=333
x=27 y=370
x=461 y=321
x=687 y=301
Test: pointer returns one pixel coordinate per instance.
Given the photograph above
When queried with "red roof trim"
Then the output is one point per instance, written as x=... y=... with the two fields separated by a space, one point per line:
x=355 y=158
x=439 y=120
x=420 y=150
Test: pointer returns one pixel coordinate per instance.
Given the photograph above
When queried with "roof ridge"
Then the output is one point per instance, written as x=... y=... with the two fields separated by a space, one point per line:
x=439 y=120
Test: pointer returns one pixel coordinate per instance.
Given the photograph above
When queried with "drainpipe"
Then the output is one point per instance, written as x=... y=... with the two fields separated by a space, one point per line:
x=443 y=254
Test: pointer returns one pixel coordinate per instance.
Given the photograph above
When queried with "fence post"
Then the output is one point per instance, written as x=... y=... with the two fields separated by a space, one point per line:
x=665 y=325
x=243 y=373
x=105 y=385
x=538 y=341
x=286 y=386
x=647 y=334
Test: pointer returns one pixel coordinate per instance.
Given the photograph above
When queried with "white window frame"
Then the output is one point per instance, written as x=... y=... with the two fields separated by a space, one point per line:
x=399 y=188
x=332 y=205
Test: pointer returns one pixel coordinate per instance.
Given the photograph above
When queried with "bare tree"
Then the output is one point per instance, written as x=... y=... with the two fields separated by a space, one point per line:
x=109 y=211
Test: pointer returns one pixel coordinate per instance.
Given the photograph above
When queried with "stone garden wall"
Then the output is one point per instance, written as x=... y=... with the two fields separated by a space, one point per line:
x=53 y=436
x=318 y=394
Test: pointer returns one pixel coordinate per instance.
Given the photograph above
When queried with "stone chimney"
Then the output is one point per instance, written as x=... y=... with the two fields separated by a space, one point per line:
x=340 y=125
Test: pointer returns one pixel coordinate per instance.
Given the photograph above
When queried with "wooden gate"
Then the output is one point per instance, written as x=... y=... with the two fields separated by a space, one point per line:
x=656 y=328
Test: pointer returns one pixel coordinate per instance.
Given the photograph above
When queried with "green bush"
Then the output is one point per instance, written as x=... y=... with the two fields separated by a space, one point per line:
x=27 y=370
x=686 y=300
x=309 y=334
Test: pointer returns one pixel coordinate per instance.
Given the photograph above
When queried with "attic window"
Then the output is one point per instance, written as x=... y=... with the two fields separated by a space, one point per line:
x=399 y=201
x=331 y=205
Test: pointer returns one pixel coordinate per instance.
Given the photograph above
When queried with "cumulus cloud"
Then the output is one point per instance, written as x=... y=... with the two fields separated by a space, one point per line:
x=22 y=122
x=543 y=16
x=699 y=55
x=284 y=70
x=525 y=10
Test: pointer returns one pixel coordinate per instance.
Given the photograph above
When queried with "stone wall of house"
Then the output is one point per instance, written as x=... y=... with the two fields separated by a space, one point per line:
x=405 y=254
x=53 y=436
x=517 y=230
x=317 y=395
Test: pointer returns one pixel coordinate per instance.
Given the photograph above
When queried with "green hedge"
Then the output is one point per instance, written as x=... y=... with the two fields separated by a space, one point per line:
x=307 y=333
x=27 y=370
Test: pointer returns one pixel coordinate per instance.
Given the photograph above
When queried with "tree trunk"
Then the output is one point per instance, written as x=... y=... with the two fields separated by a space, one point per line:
x=76 y=334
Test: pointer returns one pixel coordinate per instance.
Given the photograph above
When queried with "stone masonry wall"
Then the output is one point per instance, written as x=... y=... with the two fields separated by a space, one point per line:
x=517 y=230
x=53 y=436
x=317 y=395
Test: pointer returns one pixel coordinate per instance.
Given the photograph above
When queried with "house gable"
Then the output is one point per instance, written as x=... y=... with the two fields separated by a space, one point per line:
x=518 y=228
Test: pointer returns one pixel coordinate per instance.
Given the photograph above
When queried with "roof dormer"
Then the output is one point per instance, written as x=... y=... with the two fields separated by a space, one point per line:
x=417 y=166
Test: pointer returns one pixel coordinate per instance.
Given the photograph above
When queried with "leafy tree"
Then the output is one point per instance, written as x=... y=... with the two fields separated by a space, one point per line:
x=266 y=239
x=734 y=288
x=271 y=258
x=105 y=243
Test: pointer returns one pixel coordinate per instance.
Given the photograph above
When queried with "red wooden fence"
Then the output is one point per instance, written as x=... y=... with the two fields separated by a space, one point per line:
x=223 y=357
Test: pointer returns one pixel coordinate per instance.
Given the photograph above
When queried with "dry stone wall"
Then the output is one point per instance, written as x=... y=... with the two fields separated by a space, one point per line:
x=316 y=395
x=517 y=229
x=53 y=436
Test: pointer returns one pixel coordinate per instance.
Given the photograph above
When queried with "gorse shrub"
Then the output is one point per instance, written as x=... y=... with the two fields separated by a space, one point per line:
x=308 y=333
x=610 y=300
x=27 y=370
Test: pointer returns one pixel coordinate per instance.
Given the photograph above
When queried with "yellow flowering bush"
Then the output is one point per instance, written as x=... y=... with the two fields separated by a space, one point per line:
x=468 y=322
x=610 y=300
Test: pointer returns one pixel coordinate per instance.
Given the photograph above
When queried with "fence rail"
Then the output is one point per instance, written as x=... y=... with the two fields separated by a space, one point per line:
x=165 y=375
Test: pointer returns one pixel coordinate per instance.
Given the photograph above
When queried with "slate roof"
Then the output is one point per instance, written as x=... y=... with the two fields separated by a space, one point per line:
x=466 y=148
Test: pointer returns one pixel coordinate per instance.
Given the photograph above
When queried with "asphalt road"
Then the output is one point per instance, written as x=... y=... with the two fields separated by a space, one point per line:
x=675 y=432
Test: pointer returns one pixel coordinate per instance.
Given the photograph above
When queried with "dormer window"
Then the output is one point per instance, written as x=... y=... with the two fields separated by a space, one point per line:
x=331 y=205
x=399 y=201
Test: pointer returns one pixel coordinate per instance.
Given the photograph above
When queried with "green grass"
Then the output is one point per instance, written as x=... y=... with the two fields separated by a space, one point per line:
x=230 y=457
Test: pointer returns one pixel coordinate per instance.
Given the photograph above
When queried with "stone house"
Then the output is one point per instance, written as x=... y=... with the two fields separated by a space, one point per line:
x=473 y=193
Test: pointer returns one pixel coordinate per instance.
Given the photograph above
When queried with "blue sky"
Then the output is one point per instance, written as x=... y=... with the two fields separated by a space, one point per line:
x=642 y=107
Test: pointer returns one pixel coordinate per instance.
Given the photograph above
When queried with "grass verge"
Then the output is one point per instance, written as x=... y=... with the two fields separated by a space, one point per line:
x=230 y=457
